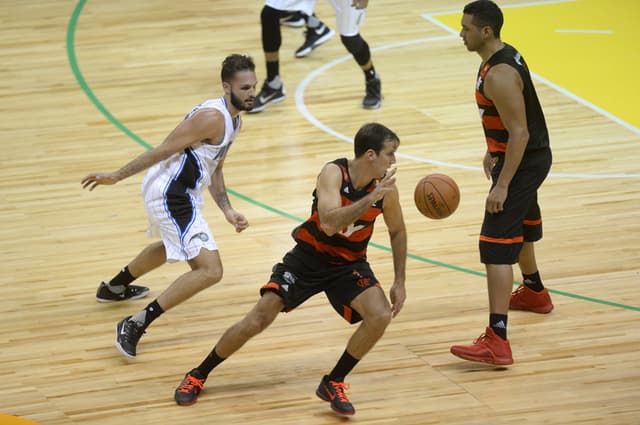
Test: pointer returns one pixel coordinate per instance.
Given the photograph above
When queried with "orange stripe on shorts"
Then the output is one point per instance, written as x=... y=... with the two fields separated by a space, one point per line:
x=503 y=241
x=347 y=313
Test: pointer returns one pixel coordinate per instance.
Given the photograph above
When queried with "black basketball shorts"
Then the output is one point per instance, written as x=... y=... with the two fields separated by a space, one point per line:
x=502 y=234
x=300 y=276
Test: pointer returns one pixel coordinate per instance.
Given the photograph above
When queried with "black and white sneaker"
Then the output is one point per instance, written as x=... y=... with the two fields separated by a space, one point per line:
x=128 y=333
x=267 y=95
x=314 y=37
x=292 y=19
x=131 y=292
x=373 y=96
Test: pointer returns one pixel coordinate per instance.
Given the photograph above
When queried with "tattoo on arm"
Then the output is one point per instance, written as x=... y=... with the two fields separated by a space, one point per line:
x=134 y=167
x=222 y=200
x=138 y=164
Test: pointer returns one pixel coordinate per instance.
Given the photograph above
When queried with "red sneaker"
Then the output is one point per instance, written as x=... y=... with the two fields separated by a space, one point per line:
x=525 y=298
x=488 y=348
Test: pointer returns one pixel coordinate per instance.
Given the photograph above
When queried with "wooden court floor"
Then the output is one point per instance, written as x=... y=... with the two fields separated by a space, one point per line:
x=87 y=85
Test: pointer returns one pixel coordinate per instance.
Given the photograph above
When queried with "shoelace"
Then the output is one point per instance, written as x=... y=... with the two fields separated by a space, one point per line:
x=190 y=382
x=372 y=87
x=340 y=387
x=519 y=290
x=481 y=338
x=132 y=331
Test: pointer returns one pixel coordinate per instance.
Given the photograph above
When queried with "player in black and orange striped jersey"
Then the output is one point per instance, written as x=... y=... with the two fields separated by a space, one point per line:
x=330 y=256
x=350 y=244
x=517 y=160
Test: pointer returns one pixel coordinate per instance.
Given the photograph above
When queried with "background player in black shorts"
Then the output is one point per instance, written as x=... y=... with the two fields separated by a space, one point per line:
x=330 y=256
x=517 y=160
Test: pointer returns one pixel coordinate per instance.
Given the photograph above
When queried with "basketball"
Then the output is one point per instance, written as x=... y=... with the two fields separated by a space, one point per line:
x=436 y=196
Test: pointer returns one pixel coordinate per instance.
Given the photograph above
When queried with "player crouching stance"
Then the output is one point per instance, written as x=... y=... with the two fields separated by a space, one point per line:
x=330 y=257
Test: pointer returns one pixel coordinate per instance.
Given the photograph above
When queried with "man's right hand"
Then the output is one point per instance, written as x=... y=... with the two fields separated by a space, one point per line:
x=94 y=179
x=387 y=184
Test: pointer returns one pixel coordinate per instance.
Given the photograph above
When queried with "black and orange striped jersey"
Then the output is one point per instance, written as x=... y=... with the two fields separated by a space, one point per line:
x=348 y=245
x=494 y=130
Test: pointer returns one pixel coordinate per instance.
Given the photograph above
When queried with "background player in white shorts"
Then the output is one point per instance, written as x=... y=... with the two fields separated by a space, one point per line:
x=189 y=160
x=349 y=17
x=271 y=16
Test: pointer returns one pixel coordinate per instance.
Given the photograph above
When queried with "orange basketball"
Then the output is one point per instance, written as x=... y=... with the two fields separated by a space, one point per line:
x=436 y=196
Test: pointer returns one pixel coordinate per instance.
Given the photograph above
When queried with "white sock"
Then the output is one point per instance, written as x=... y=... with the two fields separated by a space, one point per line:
x=276 y=83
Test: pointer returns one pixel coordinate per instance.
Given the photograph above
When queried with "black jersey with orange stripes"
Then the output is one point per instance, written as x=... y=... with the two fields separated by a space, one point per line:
x=350 y=244
x=494 y=130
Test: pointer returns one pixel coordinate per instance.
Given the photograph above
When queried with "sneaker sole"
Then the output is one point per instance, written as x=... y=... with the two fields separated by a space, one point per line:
x=540 y=310
x=376 y=106
x=186 y=404
x=119 y=347
x=321 y=396
x=498 y=361
x=318 y=43
x=135 y=297
x=343 y=413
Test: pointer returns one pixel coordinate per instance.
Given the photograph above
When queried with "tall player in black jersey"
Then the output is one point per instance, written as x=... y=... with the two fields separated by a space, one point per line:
x=330 y=256
x=517 y=160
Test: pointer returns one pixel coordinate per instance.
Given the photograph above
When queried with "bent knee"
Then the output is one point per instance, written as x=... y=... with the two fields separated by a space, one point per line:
x=211 y=277
x=379 y=319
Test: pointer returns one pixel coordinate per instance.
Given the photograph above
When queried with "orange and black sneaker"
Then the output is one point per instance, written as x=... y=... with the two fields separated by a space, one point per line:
x=488 y=348
x=525 y=298
x=187 y=393
x=333 y=392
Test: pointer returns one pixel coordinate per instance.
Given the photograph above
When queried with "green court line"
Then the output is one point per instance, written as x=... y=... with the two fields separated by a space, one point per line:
x=71 y=53
x=73 y=23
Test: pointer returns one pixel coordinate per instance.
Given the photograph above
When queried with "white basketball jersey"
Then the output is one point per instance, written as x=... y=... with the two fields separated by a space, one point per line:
x=185 y=174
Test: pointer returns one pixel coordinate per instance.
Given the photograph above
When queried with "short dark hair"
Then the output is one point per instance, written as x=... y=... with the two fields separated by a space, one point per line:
x=372 y=136
x=235 y=63
x=485 y=14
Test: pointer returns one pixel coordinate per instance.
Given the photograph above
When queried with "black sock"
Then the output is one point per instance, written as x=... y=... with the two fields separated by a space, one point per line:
x=533 y=281
x=498 y=322
x=149 y=314
x=209 y=363
x=370 y=73
x=123 y=278
x=346 y=363
x=273 y=70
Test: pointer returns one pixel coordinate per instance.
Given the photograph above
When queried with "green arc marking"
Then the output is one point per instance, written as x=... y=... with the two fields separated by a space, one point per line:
x=73 y=23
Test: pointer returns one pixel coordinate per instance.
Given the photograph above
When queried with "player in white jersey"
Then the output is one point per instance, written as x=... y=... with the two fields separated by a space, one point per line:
x=271 y=16
x=349 y=17
x=189 y=160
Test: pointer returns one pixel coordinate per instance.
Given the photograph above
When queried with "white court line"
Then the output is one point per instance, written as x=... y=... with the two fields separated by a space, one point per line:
x=302 y=108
